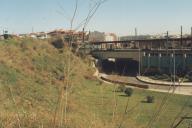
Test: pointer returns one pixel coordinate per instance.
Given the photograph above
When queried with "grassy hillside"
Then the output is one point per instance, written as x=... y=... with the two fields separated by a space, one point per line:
x=31 y=76
x=32 y=93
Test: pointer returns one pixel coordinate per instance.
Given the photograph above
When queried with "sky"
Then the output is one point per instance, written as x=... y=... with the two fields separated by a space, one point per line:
x=117 y=16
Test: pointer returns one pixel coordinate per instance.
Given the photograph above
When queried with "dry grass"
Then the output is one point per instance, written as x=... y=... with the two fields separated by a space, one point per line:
x=33 y=71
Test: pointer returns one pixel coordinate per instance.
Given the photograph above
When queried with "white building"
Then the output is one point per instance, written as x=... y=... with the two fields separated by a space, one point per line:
x=110 y=37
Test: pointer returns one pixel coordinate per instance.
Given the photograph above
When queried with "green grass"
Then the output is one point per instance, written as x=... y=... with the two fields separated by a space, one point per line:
x=30 y=88
x=140 y=112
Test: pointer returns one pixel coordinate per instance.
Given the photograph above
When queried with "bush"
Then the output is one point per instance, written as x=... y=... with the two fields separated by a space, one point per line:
x=150 y=99
x=128 y=91
x=6 y=36
x=58 y=43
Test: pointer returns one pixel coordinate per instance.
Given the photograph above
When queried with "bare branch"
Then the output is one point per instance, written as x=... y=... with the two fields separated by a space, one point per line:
x=74 y=14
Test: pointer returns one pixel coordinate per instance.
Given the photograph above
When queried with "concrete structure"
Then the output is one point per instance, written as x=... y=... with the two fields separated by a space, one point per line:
x=140 y=37
x=153 y=55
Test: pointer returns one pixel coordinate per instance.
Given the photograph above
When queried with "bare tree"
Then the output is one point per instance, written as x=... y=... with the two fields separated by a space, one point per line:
x=64 y=92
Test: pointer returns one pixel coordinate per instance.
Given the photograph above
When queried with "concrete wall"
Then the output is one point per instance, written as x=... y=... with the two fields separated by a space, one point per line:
x=165 y=63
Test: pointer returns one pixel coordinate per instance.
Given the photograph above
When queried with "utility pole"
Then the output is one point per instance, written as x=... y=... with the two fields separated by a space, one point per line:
x=174 y=71
x=181 y=36
x=83 y=35
x=139 y=62
x=135 y=32
x=139 y=52
x=191 y=35
x=159 y=61
x=167 y=41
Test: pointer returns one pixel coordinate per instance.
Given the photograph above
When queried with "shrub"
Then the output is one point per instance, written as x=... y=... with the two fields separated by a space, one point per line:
x=58 y=43
x=150 y=99
x=128 y=91
x=6 y=36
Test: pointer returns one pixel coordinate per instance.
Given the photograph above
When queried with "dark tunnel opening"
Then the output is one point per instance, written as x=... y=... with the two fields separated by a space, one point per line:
x=124 y=67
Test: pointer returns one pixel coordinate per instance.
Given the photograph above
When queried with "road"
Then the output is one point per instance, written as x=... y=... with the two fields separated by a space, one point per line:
x=132 y=81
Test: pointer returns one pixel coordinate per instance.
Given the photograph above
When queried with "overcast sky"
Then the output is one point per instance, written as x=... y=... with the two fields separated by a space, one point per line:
x=118 y=16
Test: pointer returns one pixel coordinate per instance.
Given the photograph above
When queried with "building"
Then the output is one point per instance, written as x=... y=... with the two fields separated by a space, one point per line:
x=42 y=35
x=57 y=32
x=96 y=36
x=1 y=37
x=101 y=36
x=68 y=34
x=33 y=35
x=23 y=35
x=38 y=35
x=110 y=37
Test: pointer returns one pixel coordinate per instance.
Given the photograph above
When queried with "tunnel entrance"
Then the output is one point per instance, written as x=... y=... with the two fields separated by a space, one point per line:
x=124 y=67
